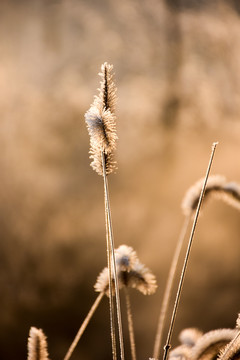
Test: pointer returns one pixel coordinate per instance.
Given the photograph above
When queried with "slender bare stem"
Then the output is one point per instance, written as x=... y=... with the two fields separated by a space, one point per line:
x=109 y=261
x=130 y=325
x=168 y=289
x=113 y=260
x=111 y=292
x=180 y=285
x=83 y=326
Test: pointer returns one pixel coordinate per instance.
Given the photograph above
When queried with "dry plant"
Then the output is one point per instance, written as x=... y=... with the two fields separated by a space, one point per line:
x=216 y=344
x=100 y=119
x=173 y=268
x=37 y=345
x=131 y=274
x=124 y=270
x=216 y=187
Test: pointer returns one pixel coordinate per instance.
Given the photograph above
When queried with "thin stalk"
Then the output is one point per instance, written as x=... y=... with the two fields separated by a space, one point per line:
x=111 y=292
x=83 y=326
x=168 y=289
x=130 y=325
x=180 y=285
x=113 y=260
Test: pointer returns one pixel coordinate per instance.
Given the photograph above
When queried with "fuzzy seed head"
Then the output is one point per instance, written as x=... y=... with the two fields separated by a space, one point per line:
x=210 y=344
x=190 y=200
x=131 y=273
x=101 y=123
x=37 y=345
x=107 y=92
x=102 y=283
x=142 y=279
x=126 y=257
x=231 y=194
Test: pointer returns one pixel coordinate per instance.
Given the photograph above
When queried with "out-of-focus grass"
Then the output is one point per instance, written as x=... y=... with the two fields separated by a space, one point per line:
x=177 y=70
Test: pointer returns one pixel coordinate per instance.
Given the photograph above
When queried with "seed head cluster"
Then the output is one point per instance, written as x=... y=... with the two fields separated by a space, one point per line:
x=131 y=273
x=101 y=123
x=37 y=345
x=218 y=187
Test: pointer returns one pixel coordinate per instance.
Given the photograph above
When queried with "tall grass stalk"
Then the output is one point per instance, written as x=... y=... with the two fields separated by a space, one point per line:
x=168 y=289
x=112 y=260
x=110 y=267
x=180 y=285
x=101 y=124
x=84 y=325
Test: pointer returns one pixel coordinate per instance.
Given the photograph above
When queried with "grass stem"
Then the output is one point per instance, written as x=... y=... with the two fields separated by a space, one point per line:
x=111 y=293
x=113 y=261
x=180 y=285
x=83 y=326
x=168 y=289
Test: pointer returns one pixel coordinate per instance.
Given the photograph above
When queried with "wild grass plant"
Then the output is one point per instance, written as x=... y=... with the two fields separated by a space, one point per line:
x=124 y=270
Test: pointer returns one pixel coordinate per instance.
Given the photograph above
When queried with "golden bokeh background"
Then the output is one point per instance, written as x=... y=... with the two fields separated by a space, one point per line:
x=177 y=72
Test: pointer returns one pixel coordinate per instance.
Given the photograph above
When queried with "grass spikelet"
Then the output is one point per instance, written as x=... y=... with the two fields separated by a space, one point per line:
x=231 y=194
x=100 y=120
x=190 y=200
x=101 y=123
x=140 y=278
x=131 y=273
x=107 y=92
x=210 y=344
x=126 y=257
x=188 y=338
x=37 y=345
x=102 y=283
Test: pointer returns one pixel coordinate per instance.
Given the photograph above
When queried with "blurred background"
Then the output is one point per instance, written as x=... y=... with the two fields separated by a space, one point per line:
x=177 y=72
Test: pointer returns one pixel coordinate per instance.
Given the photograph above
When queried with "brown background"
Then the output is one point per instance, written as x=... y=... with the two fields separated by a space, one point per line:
x=177 y=72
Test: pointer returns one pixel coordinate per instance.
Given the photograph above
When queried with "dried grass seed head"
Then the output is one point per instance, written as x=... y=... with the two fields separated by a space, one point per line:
x=101 y=126
x=126 y=257
x=209 y=345
x=191 y=198
x=231 y=194
x=107 y=93
x=101 y=123
x=141 y=279
x=102 y=283
x=131 y=273
x=37 y=345
x=97 y=163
